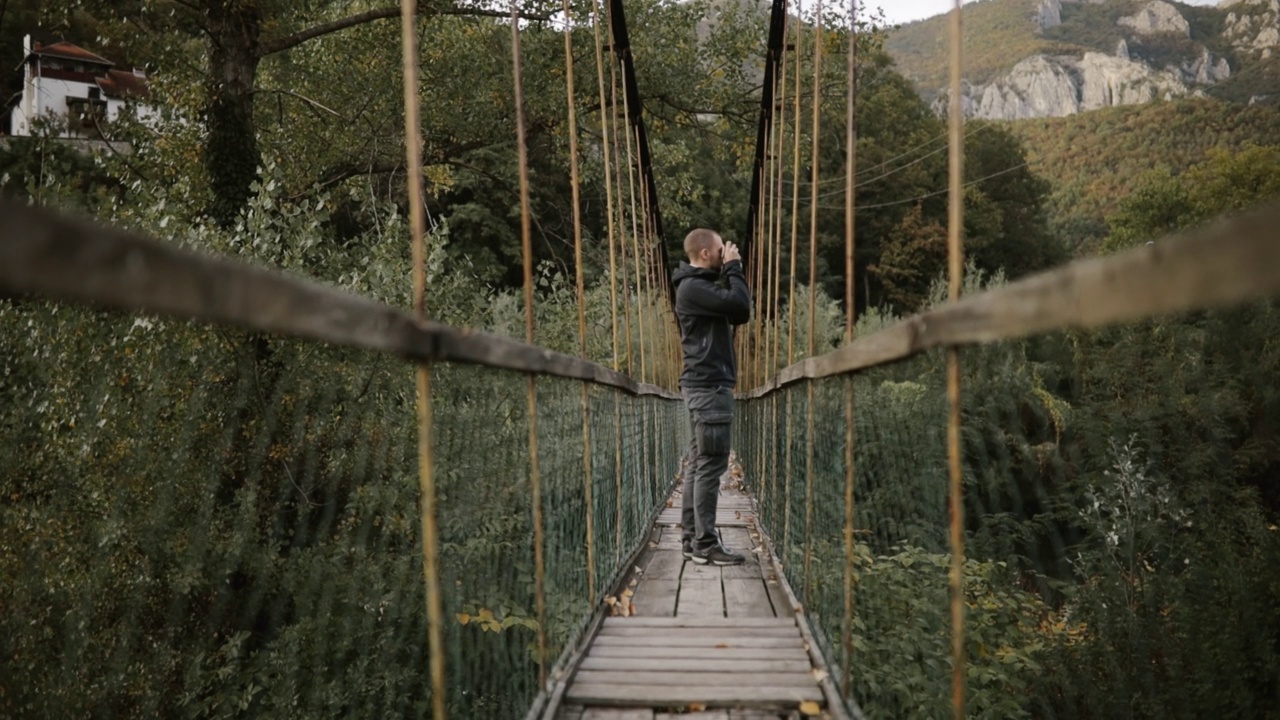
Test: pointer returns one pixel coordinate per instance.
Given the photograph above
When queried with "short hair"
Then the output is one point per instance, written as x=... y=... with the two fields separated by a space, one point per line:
x=699 y=240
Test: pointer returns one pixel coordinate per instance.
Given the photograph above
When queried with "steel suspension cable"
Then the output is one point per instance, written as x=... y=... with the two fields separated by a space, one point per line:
x=422 y=379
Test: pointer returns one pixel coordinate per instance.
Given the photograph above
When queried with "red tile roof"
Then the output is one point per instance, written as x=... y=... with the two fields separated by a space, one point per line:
x=122 y=84
x=71 y=52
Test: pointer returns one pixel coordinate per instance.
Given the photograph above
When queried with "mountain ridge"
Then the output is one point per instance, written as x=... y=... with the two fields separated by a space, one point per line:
x=1054 y=58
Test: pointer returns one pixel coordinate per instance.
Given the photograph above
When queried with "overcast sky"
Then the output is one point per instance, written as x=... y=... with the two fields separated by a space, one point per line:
x=904 y=11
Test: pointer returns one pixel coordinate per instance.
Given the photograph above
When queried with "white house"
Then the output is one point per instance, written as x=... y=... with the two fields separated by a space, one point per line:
x=63 y=82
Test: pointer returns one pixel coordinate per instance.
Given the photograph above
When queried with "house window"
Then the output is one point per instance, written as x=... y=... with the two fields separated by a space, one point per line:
x=95 y=93
x=86 y=115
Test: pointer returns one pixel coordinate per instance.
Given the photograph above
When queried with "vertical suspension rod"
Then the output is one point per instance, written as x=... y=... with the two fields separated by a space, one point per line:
x=605 y=112
x=813 y=296
x=587 y=484
x=955 y=257
x=791 y=296
x=422 y=379
x=535 y=479
x=850 y=236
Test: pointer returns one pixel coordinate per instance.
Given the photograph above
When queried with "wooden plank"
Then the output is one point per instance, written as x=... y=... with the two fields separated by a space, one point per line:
x=596 y=713
x=60 y=257
x=670 y=539
x=655 y=598
x=650 y=695
x=700 y=622
x=746 y=571
x=671 y=639
x=695 y=665
x=778 y=597
x=694 y=632
x=617 y=677
x=1224 y=263
x=694 y=571
x=671 y=517
x=795 y=652
x=700 y=715
x=662 y=565
x=746 y=598
x=570 y=712
x=700 y=597
x=737 y=538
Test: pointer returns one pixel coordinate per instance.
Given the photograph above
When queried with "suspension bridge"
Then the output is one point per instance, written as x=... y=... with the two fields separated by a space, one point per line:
x=304 y=489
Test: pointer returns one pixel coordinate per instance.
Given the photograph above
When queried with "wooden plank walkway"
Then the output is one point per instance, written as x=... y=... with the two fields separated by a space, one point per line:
x=701 y=642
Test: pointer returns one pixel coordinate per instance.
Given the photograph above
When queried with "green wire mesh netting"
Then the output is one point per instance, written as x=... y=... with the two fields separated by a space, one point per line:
x=198 y=522
x=1121 y=500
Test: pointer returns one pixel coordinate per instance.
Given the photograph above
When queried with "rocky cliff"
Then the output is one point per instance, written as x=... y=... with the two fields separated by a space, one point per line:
x=1156 y=54
x=1254 y=26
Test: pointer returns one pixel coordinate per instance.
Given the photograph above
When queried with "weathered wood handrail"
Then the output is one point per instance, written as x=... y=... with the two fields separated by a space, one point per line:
x=57 y=257
x=1224 y=263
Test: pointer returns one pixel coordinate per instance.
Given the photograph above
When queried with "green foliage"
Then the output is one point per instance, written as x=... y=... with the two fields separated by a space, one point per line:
x=1093 y=26
x=1258 y=81
x=1224 y=182
x=904 y=622
x=1094 y=160
x=915 y=254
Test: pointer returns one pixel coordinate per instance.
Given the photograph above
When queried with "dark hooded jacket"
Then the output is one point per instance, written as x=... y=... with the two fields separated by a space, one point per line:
x=708 y=303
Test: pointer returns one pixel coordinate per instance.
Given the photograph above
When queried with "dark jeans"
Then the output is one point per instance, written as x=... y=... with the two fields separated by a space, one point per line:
x=711 y=417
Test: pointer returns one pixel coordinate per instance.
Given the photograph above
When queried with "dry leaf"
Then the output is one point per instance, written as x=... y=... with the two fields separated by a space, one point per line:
x=463 y=618
x=628 y=593
x=819 y=674
x=810 y=708
x=722 y=646
x=697 y=707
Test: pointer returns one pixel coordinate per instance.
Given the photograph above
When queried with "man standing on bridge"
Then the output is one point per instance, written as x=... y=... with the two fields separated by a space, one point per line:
x=711 y=296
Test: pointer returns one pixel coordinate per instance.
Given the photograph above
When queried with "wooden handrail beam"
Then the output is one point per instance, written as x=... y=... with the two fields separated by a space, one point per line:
x=54 y=256
x=1224 y=263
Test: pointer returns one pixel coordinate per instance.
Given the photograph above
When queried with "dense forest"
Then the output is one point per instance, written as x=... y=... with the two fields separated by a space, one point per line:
x=1094 y=161
x=207 y=523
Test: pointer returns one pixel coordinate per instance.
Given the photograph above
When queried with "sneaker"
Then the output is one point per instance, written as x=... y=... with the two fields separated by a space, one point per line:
x=717 y=555
x=686 y=549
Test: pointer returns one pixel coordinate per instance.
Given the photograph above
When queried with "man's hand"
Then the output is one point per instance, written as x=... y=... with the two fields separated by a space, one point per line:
x=731 y=252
